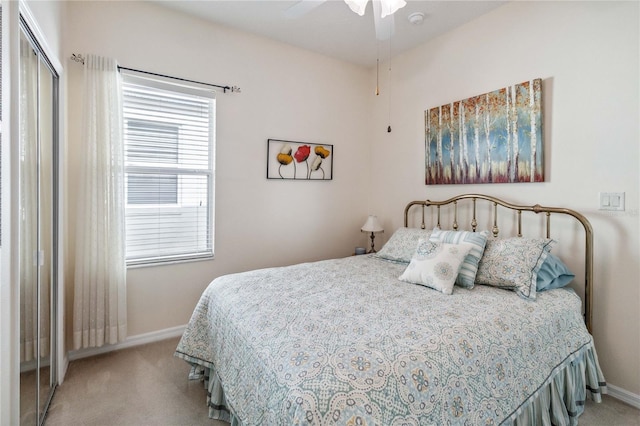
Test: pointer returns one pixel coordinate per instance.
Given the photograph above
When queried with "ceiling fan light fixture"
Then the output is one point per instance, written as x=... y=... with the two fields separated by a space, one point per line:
x=357 y=6
x=387 y=7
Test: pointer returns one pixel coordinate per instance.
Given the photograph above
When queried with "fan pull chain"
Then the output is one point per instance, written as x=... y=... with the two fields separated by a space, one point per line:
x=377 y=68
x=389 y=87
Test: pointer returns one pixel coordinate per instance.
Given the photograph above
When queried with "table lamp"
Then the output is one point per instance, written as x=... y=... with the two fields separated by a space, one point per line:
x=372 y=225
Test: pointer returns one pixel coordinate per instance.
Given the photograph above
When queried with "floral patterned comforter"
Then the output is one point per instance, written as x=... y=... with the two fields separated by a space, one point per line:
x=345 y=342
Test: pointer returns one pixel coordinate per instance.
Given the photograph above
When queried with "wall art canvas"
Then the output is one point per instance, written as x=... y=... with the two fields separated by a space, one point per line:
x=299 y=160
x=492 y=138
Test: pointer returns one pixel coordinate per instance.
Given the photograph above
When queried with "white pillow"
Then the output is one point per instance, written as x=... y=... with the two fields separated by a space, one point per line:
x=469 y=269
x=436 y=264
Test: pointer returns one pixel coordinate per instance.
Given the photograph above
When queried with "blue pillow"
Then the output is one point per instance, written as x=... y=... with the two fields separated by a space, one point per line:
x=553 y=274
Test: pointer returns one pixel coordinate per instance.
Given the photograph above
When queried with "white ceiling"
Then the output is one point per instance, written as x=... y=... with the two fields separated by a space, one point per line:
x=331 y=28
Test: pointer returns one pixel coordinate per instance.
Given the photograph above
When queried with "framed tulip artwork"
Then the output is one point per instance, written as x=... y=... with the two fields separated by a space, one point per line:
x=299 y=160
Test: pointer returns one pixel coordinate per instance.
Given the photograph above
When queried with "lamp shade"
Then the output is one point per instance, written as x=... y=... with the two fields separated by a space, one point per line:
x=372 y=225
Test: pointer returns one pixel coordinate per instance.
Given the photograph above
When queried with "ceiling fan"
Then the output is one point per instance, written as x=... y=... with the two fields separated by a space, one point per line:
x=383 y=11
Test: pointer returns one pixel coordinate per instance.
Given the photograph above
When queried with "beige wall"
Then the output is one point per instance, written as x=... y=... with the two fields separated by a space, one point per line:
x=587 y=54
x=287 y=93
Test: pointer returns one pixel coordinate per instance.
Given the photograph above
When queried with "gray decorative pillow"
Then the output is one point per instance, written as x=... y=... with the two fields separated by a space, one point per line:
x=402 y=245
x=513 y=263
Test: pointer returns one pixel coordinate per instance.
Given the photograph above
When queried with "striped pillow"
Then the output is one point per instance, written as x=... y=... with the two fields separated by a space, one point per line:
x=467 y=275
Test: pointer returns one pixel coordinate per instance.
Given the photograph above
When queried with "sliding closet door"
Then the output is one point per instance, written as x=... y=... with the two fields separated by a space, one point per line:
x=47 y=262
x=38 y=236
x=28 y=233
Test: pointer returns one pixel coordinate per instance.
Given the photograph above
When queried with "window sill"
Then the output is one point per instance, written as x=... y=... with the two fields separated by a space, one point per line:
x=146 y=264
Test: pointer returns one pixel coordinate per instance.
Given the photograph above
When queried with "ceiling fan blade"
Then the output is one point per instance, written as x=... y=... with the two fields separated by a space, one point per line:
x=384 y=26
x=302 y=8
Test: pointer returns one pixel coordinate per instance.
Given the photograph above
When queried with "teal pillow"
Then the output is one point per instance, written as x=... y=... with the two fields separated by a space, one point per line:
x=553 y=274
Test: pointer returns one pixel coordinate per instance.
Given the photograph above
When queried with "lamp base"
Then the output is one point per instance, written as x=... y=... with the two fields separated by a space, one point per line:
x=373 y=250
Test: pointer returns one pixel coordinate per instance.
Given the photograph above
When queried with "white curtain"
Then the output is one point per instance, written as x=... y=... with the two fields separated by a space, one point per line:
x=100 y=311
x=29 y=213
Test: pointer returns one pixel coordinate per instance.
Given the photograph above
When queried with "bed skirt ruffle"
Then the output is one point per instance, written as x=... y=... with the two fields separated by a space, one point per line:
x=216 y=401
x=559 y=401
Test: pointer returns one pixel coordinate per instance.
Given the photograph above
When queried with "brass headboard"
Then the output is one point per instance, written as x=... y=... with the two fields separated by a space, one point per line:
x=473 y=198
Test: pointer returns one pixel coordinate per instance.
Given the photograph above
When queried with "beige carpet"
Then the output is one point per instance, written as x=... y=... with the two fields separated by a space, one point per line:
x=147 y=385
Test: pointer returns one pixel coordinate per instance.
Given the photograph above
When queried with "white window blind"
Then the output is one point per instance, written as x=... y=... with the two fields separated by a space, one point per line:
x=169 y=179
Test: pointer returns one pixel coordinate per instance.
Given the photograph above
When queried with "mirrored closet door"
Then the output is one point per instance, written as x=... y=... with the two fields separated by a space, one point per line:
x=38 y=230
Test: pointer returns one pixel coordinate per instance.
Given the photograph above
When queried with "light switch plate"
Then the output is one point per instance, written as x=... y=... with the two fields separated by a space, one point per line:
x=611 y=201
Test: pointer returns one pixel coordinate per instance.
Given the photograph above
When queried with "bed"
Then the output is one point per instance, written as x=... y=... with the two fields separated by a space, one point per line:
x=348 y=342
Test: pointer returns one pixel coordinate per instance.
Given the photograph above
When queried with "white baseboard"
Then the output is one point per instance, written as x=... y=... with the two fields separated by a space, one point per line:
x=62 y=369
x=624 y=395
x=131 y=341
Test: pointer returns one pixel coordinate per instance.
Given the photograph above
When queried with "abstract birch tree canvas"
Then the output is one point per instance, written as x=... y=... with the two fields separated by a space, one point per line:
x=491 y=138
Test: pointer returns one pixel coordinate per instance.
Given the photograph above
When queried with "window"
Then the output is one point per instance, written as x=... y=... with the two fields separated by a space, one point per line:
x=169 y=179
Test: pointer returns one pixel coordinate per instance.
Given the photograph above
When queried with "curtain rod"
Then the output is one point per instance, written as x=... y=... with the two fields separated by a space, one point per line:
x=234 y=89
